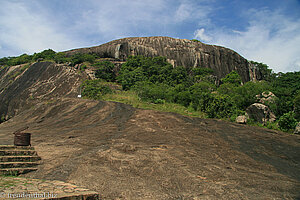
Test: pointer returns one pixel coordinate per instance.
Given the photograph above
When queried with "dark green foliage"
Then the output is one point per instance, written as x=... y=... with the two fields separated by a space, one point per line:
x=287 y=121
x=297 y=106
x=200 y=94
x=4 y=61
x=129 y=78
x=201 y=74
x=80 y=58
x=148 y=91
x=45 y=55
x=219 y=106
x=194 y=40
x=154 y=70
x=233 y=78
x=11 y=61
x=244 y=96
x=105 y=71
x=61 y=58
x=285 y=87
x=94 y=89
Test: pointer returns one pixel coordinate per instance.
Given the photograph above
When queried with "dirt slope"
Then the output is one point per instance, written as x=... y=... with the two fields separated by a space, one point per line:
x=127 y=153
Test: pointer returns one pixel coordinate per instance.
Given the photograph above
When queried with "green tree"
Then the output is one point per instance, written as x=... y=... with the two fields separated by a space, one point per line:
x=201 y=74
x=200 y=95
x=61 y=58
x=148 y=91
x=285 y=86
x=105 y=70
x=233 y=78
x=219 y=106
x=48 y=54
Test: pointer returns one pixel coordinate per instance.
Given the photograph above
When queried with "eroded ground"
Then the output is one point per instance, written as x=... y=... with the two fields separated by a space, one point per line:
x=127 y=153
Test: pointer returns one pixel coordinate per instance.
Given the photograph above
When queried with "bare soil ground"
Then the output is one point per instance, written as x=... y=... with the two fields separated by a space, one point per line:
x=127 y=153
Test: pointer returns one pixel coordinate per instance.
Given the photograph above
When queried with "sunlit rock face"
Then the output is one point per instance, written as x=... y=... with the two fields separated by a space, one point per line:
x=179 y=52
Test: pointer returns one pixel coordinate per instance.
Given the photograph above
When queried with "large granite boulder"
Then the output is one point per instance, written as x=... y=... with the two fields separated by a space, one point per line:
x=179 y=52
x=260 y=113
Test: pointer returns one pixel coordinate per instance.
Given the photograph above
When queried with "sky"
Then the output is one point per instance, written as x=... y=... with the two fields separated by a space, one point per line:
x=266 y=31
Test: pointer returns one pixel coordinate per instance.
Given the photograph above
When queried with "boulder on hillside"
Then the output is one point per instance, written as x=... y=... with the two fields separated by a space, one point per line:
x=297 y=129
x=242 y=119
x=266 y=97
x=260 y=113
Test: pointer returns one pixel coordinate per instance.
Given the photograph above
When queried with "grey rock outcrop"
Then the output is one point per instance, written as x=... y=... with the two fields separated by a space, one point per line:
x=179 y=52
x=242 y=119
x=297 y=129
x=266 y=97
x=260 y=113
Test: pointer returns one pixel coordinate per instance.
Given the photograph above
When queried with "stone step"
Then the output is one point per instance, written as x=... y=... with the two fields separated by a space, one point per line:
x=12 y=147
x=24 y=152
x=19 y=158
x=16 y=171
x=4 y=165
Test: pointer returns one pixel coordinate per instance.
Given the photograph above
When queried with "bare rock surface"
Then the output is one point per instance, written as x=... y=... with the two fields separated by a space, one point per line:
x=126 y=153
x=179 y=52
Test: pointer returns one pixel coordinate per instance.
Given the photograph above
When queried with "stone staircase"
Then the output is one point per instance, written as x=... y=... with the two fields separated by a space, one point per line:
x=15 y=160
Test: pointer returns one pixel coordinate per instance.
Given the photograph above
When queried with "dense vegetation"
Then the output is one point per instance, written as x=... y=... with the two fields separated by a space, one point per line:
x=156 y=81
x=48 y=55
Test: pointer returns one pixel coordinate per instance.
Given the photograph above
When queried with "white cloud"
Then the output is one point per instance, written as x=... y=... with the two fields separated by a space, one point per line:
x=24 y=30
x=199 y=34
x=271 y=38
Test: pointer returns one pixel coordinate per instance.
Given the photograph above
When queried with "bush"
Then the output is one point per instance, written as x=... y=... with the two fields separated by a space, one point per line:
x=46 y=54
x=201 y=74
x=105 y=71
x=148 y=91
x=219 y=106
x=287 y=121
x=61 y=58
x=94 y=89
x=80 y=58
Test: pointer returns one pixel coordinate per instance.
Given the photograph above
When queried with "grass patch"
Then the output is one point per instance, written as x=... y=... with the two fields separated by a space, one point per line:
x=131 y=98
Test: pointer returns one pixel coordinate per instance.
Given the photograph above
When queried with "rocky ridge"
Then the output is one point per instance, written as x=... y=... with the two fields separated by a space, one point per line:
x=179 y=52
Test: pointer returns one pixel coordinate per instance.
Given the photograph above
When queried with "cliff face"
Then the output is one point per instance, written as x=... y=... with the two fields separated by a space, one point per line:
x=179 y=52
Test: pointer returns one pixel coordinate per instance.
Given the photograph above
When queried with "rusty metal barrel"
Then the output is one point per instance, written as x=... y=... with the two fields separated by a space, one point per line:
x=22 y=139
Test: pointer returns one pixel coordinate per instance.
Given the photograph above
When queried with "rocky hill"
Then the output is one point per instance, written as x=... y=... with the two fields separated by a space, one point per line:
x=180 y=52
x=129 y=153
